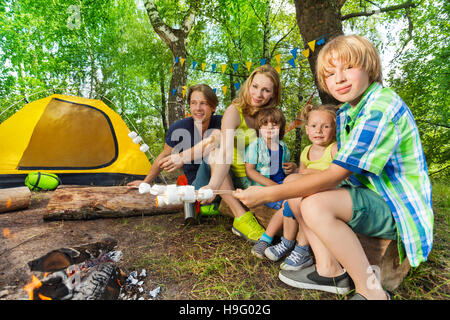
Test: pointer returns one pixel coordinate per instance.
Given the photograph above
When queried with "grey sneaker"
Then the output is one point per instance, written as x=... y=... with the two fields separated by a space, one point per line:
x=309 y=279
x=258 y=249
x=279 y=250
x=297 y=260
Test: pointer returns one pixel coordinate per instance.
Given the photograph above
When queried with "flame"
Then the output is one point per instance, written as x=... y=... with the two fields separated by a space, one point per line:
x=6 y=233
x=34 y=284
x=42 y=297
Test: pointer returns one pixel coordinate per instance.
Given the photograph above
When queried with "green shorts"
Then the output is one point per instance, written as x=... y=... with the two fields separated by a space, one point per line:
x=372 y=216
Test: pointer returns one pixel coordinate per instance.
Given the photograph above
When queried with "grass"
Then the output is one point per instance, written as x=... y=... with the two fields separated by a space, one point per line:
x=207 y=261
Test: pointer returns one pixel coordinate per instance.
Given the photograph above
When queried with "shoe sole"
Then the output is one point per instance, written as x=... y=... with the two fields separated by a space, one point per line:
x=302 y=285
x=271 y=256
x=284 y=266
x=258 y=255
x=240 y=234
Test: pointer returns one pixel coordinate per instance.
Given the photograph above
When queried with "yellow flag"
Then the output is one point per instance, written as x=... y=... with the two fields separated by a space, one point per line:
x=182 y=61
x=278 y=58
x=312 y=45
x=171 y=69
x=184 y=91
x=306 y=53
x=278 y=69
x=224 y=66
x=224 y=89
x=203 y=66
x=248 y=64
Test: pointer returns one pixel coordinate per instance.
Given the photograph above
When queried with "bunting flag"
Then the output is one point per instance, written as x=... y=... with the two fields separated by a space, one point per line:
x=321 y=41
x=224 y=66
x=292 y=62
x=184 y=91
x=171 y=69
x=213 y=67
x=176 y=59
x=294 y=53
x=203 y=66
x=235 y=66
x=194 y=64
x=215 y=90
x=312 y=45
x=224 y=89
x=182 y=61
x=237 y=85
x=174 y=91
x=278 y=69
x=248 y=65
x=278 y=58
x=306 y=53
x=262 y=61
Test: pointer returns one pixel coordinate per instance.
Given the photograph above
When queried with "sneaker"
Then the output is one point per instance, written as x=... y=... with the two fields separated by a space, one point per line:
x=248 y=227
x=308 y=278
x=209 y=210
x=258 y=249
x=297 y=260
x=279 y=250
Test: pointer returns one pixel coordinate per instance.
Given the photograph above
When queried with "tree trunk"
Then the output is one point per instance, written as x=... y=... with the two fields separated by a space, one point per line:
x=316 y=18
x=83 y=203
x=12 y=199
x=175 y=39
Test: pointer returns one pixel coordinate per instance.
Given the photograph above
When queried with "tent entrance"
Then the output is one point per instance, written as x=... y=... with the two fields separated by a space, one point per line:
x=69 y=136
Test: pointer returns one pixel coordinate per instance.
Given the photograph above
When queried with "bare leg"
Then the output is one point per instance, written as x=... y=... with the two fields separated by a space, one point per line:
x=290 y=228
x=275 y=224
x=326 y=214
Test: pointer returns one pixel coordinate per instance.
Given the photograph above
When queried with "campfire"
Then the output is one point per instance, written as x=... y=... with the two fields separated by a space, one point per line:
x=88 y=272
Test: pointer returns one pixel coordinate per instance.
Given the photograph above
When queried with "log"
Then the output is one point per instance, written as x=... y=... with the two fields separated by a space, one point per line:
x=12 y=199
x=380 y=252
x=84 y=203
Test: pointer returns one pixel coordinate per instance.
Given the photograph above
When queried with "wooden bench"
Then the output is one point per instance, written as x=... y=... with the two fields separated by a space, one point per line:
x=380 y=252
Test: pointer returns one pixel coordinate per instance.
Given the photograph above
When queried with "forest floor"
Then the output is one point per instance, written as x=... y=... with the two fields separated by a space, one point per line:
x=194 y=262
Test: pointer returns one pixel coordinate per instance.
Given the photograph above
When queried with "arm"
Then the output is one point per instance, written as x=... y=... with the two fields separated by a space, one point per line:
x=172 y=162
x=302 y=187
x=230 y=122
x=256 y=176
x=156 y=169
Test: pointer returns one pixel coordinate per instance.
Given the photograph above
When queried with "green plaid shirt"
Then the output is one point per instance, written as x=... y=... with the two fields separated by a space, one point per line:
x=379 y=142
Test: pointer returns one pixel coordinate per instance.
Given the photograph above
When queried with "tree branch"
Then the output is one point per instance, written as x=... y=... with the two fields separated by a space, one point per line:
x=405 y=5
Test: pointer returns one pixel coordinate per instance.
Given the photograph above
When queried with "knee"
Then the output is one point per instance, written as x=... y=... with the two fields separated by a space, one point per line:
x=312 y=213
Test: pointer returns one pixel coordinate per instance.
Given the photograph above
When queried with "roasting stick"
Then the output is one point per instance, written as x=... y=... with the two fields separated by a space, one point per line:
x=216 y=192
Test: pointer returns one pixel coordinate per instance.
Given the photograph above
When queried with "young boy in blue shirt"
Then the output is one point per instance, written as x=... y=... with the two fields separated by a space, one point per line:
x=388 y=193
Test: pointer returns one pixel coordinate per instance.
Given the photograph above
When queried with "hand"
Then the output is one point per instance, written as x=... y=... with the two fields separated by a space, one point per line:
x=251 y=197
x=134 y=184
x=171 y=162
x=289 y=167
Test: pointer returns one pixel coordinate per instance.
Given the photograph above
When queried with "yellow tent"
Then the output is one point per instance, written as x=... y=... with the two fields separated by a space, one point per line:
x=82 y=140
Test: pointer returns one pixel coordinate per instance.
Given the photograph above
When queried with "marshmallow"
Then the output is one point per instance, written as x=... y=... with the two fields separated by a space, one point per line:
x=187 y=193
x=144 y=148
x=204 y=194
x=144 y=188
x=132 y=135
x=137 y=140
x=172 y=194
x=157 y=189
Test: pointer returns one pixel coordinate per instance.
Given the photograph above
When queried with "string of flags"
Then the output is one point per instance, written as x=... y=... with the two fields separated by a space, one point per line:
x=311 y=46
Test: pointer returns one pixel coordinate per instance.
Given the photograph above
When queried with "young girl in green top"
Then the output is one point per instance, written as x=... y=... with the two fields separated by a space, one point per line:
x=321 y=130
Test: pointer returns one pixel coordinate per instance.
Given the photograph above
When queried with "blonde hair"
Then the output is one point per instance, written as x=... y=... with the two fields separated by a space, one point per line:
x=353 y=50
x=243 y=99
x=307 y=109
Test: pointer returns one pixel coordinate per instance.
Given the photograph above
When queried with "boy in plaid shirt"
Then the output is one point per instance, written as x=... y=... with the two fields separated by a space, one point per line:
x=377 y=185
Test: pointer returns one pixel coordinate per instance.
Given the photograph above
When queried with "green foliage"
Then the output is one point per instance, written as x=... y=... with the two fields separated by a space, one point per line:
x=109 y=50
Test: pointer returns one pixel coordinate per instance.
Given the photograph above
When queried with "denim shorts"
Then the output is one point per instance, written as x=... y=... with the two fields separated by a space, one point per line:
x=372 y=216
